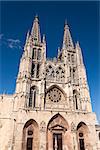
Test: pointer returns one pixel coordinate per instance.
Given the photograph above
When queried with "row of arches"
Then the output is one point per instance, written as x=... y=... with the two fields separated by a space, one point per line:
x=58 y=135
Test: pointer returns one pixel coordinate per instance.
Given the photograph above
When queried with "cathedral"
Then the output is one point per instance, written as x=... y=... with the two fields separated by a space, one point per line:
x=51 y=107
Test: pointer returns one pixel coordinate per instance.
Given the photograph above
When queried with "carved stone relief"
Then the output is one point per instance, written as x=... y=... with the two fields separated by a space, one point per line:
x=73 y=127
x=42 y=126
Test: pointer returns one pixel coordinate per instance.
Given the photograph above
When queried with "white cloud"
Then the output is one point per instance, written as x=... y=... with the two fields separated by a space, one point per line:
x=11 y=43
x=14 y=43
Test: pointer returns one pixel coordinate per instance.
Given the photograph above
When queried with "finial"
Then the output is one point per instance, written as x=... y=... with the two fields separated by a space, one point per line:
x=58 y=50
x=44 y=39
x=77 y=44
x=36 y=17
x=66 y=24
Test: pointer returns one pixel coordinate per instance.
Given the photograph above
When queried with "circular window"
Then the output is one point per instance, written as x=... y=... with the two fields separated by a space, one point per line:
x=54 y=95
x=80 y=134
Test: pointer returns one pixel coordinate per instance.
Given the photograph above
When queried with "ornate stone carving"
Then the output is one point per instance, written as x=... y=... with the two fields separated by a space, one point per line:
x=73 y=127
x=58 y=123
x=42 y=126
x=55 y=95
x=57 y=74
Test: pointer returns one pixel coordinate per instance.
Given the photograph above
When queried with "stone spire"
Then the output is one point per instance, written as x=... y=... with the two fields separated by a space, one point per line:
x=27 y=36
x=27 y=39
x=67 y=39
x=36 y=31
x=79 y=54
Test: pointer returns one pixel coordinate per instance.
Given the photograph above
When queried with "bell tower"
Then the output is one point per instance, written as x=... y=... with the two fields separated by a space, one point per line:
x=71 y=57
x=30 y=75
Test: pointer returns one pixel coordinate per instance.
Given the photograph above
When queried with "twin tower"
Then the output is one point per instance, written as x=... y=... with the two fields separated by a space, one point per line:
x=59 y=83
x=51 y=107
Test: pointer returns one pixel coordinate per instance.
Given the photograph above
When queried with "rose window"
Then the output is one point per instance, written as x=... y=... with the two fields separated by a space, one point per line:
x=54 y=95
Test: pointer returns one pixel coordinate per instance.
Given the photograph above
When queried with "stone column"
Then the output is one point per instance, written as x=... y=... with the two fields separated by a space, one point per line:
x=42 y=135
x=50 y=140
x=74 y=133
x=56 y=143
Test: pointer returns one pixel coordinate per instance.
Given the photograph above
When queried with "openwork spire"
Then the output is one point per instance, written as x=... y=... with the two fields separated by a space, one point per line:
x=36 y=31
x=67 y=39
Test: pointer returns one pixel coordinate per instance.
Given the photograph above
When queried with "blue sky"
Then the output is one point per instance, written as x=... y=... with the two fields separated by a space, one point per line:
x=83 y=19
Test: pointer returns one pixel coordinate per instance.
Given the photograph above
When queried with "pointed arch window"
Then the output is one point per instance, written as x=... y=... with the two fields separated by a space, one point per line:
x=34 y=54
x=33 y=70
x=38 y=70
x=32 y=98
x=68 y=57
x=75 y=98
x=39 y=54
x=72 y=58
x=74 y=71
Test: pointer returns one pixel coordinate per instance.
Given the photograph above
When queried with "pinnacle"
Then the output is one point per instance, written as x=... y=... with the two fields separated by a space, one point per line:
x=36 y=18
x=66 y=24
x=77 y=44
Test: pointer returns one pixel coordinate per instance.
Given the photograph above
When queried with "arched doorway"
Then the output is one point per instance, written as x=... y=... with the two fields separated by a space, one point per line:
x=58 y=135
x=30 y=137
x=83 y=137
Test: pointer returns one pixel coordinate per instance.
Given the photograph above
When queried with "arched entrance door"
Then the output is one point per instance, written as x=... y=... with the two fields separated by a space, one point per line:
x=58 y=136
x=83 y=137
x=30 y=139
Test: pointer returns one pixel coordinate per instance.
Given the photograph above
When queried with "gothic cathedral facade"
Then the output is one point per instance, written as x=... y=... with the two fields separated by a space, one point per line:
x=51 y=106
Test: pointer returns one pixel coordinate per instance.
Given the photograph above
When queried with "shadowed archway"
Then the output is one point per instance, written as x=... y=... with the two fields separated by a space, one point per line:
x=83 y=137
x=30 y=139
x=58 y=135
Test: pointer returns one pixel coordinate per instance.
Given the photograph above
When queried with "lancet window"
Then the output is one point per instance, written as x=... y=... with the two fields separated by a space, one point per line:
x=72 y=58
x=39 y=54
x=33 y=70
x=36 y=55
x=68 y=57
x=32 y=97
x=75 y=98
